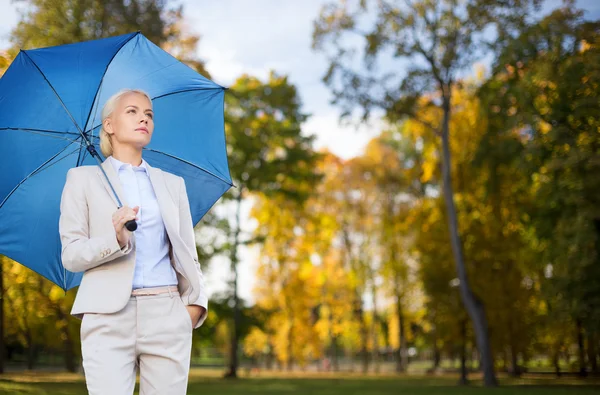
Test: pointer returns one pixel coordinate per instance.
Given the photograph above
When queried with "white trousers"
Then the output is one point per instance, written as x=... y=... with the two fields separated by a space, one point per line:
x=152 y=333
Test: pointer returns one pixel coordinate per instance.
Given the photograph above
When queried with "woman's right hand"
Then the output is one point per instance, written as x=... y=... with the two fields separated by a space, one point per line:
x=119 y=218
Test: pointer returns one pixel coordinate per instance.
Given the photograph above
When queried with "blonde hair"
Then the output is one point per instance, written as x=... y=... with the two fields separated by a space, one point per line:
x=107 y=110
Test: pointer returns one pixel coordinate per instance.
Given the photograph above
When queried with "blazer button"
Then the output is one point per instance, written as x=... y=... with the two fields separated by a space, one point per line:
x=108 y=251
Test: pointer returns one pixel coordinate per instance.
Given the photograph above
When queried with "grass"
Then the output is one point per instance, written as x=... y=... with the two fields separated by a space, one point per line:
x=208 y=382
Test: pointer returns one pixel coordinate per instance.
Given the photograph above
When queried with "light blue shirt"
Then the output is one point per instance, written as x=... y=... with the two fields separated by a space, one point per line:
x=152 y=262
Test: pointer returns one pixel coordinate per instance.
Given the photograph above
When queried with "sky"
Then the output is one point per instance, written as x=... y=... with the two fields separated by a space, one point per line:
x=240 y=36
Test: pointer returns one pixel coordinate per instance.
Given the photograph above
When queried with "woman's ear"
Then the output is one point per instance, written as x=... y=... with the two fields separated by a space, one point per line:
x=108 y=126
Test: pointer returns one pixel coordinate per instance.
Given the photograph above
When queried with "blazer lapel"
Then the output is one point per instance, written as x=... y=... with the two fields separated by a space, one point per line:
x=167 y=206
x=113 y=177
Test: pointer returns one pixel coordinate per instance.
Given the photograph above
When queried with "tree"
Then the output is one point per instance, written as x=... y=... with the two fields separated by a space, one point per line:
x=56 y=22
x=357 y=238
x=495 y=195
x=37 y=315
x=391 y=164
x=267 y=154
x=6 y=58
x=338 y=284
x=544 y=92
x=287 y=282
x=436 y=41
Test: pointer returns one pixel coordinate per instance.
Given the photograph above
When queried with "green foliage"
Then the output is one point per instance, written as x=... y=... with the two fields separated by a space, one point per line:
x=55 y=22
x=36 y=316
x=430 y=43
x=266 y=148
x=543 y=99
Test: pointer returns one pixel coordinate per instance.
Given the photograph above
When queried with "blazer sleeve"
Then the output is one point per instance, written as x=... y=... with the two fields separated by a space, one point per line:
x=187 y=233
x=81 y=252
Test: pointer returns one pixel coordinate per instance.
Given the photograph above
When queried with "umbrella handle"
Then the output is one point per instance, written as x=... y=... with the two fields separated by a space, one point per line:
x=131 y=225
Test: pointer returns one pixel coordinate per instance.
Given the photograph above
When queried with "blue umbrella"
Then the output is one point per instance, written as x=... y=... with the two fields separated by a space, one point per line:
x=49 y=123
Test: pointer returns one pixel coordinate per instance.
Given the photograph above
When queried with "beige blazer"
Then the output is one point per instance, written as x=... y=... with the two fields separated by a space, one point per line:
x=89 y=242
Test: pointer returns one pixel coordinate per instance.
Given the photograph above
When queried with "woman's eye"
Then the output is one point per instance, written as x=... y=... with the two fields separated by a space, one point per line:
x=150 y=116
x=132 y=110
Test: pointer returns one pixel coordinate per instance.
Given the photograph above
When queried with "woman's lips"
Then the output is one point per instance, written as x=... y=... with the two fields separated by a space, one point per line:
x=142 y=130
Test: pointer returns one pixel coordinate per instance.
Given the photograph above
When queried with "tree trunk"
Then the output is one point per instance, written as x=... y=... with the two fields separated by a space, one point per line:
x=335 y=363
x=515 y=371
x=556 y=361
x=233 y=354
x=463 y=353
x=30 y=352
x=505 y=360
x=364 y=332
x=437 y=357
x=374 y=328
x=473 y=305
x=69 y=353
x=290 y=341
x=592 y=351
x=68 y=346
x=473 y=357
x=333 y=347
x=271 y=354
x=580 y=343
x=402 y=361
x=100 y=34
x=364 y=351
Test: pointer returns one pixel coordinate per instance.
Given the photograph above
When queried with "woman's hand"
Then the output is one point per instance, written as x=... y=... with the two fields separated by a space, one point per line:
x=119 y=218
x=195 y=313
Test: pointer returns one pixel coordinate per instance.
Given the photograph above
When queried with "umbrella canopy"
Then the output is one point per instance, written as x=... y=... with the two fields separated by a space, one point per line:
x=50 y=104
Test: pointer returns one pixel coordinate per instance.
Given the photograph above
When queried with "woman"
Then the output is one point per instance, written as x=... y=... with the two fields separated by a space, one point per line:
x=141 y=293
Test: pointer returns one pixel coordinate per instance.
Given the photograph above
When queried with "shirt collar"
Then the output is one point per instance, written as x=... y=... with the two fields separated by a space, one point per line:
x=118 y=165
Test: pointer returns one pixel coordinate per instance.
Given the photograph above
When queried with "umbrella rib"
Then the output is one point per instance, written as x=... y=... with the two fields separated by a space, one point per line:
x=219 y=88
x=46 y=133
x=34 y=172
x=191 y=164
x=81 y=158
x=56 y=93
x=102 y=80
x=97 y=105
x=39 y=130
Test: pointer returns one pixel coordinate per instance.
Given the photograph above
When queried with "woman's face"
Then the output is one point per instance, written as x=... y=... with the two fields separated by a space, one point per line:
x=132 y=121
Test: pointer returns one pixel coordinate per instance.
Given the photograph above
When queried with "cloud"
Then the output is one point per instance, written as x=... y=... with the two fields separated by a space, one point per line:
x=254 y=37
x=345 y=141
x=224 y=65
x=9 y=17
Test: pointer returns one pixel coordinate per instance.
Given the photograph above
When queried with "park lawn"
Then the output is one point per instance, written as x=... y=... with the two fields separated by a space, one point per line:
x=204 y=382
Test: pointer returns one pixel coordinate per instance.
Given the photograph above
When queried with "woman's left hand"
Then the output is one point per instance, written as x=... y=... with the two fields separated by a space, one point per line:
x=195 y=313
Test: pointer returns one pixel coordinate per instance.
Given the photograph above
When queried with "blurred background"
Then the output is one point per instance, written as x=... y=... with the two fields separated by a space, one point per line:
x=417 y=204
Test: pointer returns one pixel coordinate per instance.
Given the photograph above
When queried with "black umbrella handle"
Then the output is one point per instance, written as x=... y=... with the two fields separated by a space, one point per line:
x=131 y=225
